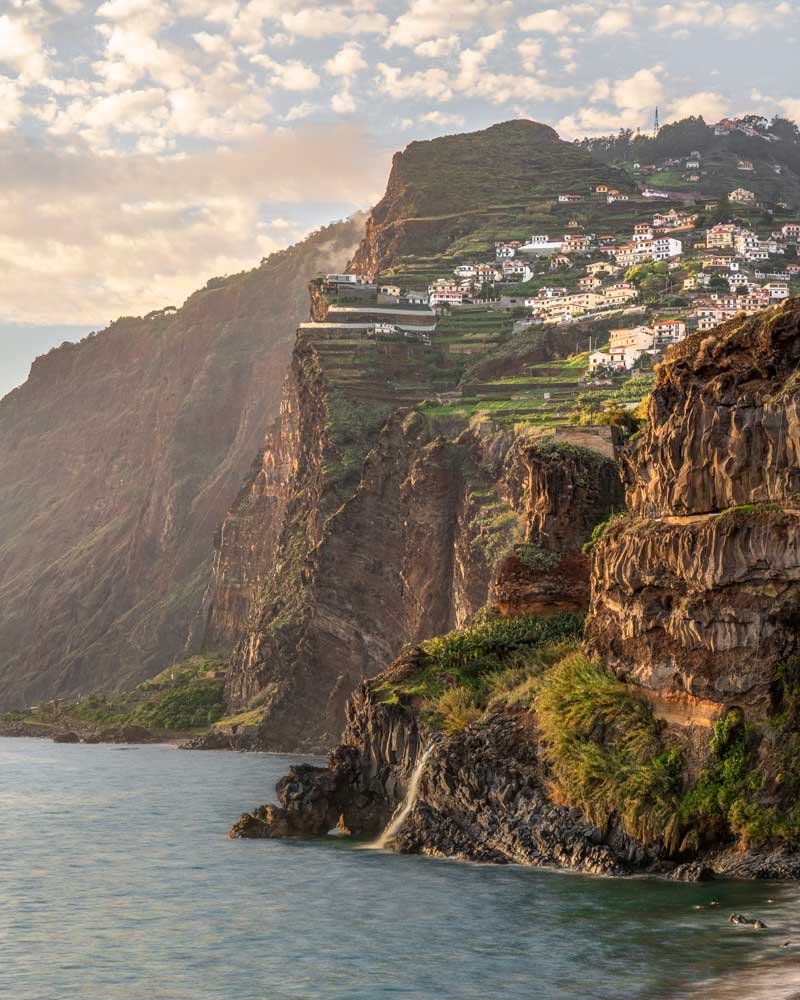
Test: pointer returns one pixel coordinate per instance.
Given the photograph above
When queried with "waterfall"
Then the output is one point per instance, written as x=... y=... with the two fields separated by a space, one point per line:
x=402 y=811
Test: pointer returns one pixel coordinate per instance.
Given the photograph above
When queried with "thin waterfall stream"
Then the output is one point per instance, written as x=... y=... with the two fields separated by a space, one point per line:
x=402 y=812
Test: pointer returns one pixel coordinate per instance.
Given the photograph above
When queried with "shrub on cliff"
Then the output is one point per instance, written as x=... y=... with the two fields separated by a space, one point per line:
x=467 y=655
x=471 y=661
x=751 y=787
x=603 y=748
x=457 y=708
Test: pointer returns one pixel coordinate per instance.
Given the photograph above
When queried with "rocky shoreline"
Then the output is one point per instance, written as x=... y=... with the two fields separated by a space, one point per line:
x=483 y=796
x=84 y=734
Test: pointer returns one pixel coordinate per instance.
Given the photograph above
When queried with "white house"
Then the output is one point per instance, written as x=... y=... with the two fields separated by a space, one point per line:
x=777 y=290
x=541 y=244
x=570 y=197
x=625 y=357
x=742 y=196
x=651 y=193
x=668 y=332
x=599 y=359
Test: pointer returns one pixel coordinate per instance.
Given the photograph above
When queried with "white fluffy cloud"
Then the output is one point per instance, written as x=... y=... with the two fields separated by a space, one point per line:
x=432 y=19
x=437 y=48
x=292 y=75
x=613 y=21
x=711 y=105
x=643 y=90
x=347 y=61
x=21 y=48
x=551 y=21
x=430 y=84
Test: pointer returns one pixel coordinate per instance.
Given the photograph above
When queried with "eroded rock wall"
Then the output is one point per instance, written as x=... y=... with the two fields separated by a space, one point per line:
x=412 y=552
x=695 y=594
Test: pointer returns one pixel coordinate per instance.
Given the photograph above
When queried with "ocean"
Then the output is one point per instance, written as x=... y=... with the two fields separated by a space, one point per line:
x=117 y=882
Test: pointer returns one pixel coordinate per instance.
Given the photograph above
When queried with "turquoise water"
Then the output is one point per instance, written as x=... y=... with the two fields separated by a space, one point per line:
x=117 y=883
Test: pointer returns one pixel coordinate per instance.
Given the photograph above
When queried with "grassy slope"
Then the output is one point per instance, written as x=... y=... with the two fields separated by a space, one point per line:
x=185 y=696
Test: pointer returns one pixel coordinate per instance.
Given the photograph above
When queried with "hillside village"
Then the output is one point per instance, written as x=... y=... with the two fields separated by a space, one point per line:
x=620 y=270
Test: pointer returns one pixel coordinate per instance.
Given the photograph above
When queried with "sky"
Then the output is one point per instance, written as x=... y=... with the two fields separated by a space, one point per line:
x=147 y=145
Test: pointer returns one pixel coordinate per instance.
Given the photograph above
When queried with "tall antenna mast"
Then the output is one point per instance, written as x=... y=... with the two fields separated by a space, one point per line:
x=656 y=125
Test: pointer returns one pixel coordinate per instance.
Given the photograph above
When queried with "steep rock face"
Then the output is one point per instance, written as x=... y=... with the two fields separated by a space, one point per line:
x=117 y=459
x=723 y=427
x=699 y=609
x=694 y=602
x=410 y=554
x=563 y=487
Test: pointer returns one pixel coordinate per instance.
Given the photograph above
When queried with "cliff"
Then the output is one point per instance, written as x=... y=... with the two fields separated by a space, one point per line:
x=694 y=594
x=413 y=551
x=118 y=458
x=673 y=746
x=375 y=517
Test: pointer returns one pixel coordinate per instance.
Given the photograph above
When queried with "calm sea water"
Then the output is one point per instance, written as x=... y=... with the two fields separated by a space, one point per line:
x=117 y=883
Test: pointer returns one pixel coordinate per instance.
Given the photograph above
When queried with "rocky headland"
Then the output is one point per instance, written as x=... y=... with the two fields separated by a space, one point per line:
x=663 y=739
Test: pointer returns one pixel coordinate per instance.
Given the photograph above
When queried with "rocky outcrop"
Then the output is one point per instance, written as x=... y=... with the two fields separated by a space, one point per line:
x=699 y=610
x=365 y=779
x=118 y=458
x=482 y=793
x=695 y=595
x=723 y=425
x=564 y=486
x=412 y=553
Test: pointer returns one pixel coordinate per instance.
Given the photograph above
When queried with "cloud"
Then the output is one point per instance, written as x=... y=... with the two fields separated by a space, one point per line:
x=642 y=90
x=529 y=52
x=21 y=49
x=430 y=84
x=152 y=229
x=711 y=105
x=323 y=22
x=347 y=61
x=293 y=75
x=550 y=21
x=613 y=21
x=343 y=103
x=442 y=119
x=299 y=111
x=589 y=121
x=11 y=106
x=426 y=19
x=437 y=48
x=741 y=18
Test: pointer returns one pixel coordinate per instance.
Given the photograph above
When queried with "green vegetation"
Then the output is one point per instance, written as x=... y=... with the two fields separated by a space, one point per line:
x=188 y=695
x=751 y=789
x=598 y=531
x=473 y=659
x=605 y=751
x=535 y=557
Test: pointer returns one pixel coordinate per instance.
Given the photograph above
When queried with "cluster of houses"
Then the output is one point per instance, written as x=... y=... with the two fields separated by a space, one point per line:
x=603 y=191
x=626 y=346
x=752 y=279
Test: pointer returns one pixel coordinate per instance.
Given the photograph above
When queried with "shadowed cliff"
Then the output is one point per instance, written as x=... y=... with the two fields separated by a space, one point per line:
x=118 y=459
